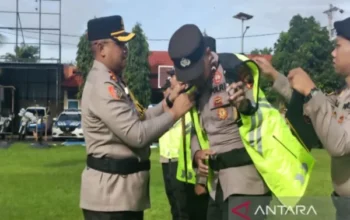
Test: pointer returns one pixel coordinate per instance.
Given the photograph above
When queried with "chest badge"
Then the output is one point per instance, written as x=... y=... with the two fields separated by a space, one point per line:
x=218 y=101
x=222 y=113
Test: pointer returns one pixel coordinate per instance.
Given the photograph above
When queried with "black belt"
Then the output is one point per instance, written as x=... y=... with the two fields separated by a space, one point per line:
x=233 y=158
x=118 y=166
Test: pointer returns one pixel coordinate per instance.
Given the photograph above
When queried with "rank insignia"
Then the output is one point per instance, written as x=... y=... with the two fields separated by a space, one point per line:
x=217 y=101
x=217 y=78
x=113 y=92
x=222 y=113
x=341 y=119
x=113 y=76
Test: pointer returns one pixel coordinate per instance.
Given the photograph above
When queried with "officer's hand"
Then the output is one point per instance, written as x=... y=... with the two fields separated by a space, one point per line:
x=236 y=94
x=266 y=67
x=182 y=104
x=200 y=189
x=176 y=91
x=200 y=158
x=301 y=81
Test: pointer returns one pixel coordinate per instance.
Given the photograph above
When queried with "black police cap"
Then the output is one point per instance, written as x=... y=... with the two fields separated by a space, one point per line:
x=171 y=72
x=108 y=27
x=343 y=28
x=187 y=49
x=210 y=42
x=230 y=63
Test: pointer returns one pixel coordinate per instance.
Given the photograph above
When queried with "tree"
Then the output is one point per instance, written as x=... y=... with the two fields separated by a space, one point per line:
x=23 y=53
x=137 y=70
x=84 y=60
x=263 y=51
x=306 y=44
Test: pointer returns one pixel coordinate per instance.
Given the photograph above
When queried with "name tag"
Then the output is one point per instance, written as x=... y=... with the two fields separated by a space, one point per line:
x=219 y=88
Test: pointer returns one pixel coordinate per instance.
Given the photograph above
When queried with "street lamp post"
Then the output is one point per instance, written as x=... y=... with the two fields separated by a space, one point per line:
x=329 y=14
x=243 y=17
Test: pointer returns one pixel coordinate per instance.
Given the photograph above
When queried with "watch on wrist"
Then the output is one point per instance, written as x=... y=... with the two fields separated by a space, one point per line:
x=312 y=93
x=168 y=102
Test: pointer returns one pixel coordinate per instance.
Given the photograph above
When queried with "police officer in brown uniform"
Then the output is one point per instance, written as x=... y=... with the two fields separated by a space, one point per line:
x=115 y=182
x=233 y=181
x=329 y=115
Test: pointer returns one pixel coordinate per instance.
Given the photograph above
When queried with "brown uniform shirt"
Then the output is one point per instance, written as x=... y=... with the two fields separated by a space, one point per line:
x=113 y=128
x=223 y=134
x=330 y=116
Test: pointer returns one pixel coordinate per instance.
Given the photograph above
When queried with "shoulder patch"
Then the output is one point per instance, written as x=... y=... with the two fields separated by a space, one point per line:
x=113 y=92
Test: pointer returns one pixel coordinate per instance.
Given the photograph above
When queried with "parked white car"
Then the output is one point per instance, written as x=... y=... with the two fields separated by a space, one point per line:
x=27 y=126
x=68 y=125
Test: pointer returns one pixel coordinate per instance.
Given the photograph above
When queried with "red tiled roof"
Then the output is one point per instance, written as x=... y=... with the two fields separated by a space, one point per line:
x=157 y=58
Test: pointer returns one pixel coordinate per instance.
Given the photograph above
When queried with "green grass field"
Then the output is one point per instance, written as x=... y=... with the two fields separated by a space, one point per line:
x=44 y=184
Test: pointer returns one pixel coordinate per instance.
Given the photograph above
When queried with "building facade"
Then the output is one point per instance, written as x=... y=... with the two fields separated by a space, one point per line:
x=56 y=86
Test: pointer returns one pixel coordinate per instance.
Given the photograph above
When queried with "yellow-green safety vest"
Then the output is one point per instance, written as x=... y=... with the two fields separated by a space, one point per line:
x=185 y=172
x=176 y=143
x=280 y=158
x=170 y=142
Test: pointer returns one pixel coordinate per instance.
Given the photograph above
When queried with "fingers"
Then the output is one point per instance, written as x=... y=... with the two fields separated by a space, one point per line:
x=291 y=74
x=206 y=153
x=234 y=88
x=179 y=87
x=238 y=96
x=202 y=168
x=259 y=60
x=256 y=59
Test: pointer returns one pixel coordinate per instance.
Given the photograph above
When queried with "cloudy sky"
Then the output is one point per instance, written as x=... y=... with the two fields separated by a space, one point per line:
x=159 y=20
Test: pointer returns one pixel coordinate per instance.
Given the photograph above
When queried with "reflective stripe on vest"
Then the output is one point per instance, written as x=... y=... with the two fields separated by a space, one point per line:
x=282 y=161
x=185 y=172
x=203 y=142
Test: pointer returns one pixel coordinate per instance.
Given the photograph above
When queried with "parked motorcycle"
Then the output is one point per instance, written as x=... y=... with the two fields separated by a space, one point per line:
x=26 y=118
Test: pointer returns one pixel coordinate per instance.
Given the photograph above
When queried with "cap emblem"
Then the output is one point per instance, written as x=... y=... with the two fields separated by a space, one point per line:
x=185 y=62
